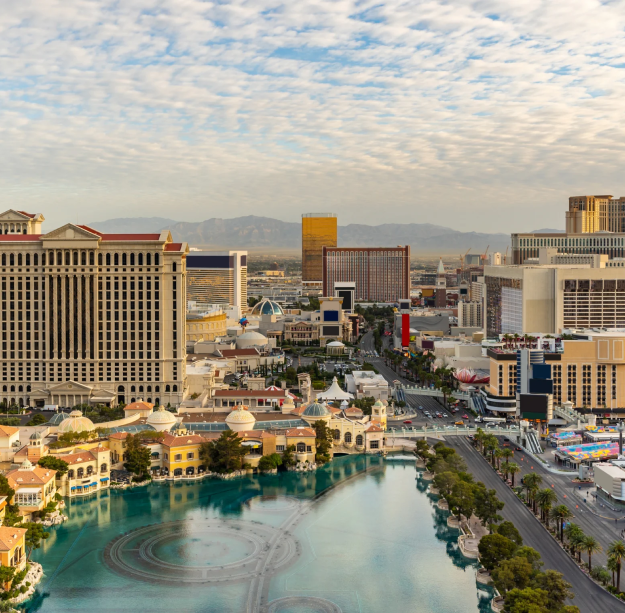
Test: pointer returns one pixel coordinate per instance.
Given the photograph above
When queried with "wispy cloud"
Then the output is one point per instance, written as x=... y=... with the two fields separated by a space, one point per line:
x=481 y=113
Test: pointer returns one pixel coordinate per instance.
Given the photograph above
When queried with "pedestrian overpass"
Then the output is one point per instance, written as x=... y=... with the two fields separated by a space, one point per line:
x=438 y=431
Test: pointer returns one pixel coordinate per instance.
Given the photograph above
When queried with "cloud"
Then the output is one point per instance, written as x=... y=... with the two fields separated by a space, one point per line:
x=477 y=114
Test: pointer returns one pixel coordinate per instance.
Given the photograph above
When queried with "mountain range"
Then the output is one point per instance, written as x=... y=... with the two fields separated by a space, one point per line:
x=252 y=232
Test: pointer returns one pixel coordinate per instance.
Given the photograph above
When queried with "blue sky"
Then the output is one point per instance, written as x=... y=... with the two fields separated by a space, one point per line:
x=480 y=115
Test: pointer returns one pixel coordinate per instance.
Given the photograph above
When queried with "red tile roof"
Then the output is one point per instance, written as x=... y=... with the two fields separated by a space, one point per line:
x=130 y=237
x=173 y=246
x=78 y=458
x=233 y=353
x=10 y=537
x=250 y=394
x=169 y=440
x=301 y=432
x=22 y=238
x=90 y=230
x=27 y=214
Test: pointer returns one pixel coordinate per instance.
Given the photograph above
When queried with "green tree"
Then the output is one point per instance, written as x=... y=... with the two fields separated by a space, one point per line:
x=531 y=483
x=616 y=551
x=509 y=530
x=53 y=463
x=591 y=546
x=494 y=549
x=138 y=457
x=561 y=514
x=445 y=483
x=323 y=441
x=531 y=555
x=487 y=505
x=557 y=588
x=288 y=456
x=37 y=420
x=529 y=600
x=225 y=455
x=514 y=573
x=513 y=469
x=35 y=535
x=6 y=574
x=462 y=499
x=269 y=462
x=545 y=499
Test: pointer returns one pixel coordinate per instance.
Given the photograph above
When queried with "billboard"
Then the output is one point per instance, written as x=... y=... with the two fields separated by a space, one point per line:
x=405 y=330
x=331 y=331
x=534 y=406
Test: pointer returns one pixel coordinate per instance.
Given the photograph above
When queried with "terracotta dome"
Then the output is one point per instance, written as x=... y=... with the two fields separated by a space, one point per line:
x=75 y=422
x=240 y=419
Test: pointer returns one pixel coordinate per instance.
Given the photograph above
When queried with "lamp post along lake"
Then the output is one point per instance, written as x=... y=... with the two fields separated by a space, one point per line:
x=359 y=535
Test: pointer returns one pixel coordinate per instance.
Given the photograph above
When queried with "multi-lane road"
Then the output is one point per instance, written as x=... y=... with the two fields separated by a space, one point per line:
x=589 y=597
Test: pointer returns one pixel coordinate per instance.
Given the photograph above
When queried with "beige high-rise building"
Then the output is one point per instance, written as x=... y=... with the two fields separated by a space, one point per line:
x=588 y=214
x=89 y=317
x=319 y=230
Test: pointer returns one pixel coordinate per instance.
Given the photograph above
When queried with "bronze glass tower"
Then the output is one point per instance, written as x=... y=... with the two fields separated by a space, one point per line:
x=318 y=231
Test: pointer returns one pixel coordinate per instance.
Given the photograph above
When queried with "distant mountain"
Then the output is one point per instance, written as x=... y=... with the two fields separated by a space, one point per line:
x=130 y=225
x=546 y=231
x=253 y=232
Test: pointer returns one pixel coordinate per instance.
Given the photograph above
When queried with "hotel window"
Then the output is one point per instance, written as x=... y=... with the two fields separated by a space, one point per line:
x=190 y=455
x=178 y=457
x=279 y=447
x=601 y=384
x=572 y=383
x=587 y=385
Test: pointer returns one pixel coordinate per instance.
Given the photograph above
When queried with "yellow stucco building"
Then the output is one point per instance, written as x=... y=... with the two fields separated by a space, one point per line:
x=13 y=547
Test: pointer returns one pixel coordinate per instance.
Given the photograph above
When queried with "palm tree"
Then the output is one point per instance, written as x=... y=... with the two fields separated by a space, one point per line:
x=591 y=545
x=611 y=566
x=508 y=453
x=616 y=550
x=545 y=499
x=576 y=537
x=561 y=513
x=532 y=482
x=513 y=468
x=479 y=437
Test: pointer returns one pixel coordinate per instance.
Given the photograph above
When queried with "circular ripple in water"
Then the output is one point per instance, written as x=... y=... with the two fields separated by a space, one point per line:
x=271 y=504
x=302 y=603
x=204 y=551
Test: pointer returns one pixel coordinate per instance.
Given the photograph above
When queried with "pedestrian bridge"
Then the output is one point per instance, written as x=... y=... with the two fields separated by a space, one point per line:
x=436 y=431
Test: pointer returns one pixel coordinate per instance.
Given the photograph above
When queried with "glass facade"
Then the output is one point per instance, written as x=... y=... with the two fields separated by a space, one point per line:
x=495 y=305
x=319 y=230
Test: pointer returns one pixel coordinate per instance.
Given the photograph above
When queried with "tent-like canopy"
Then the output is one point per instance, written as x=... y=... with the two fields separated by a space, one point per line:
x=334 y=392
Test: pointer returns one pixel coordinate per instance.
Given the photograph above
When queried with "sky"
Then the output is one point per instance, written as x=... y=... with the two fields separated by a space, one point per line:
x=480 y=115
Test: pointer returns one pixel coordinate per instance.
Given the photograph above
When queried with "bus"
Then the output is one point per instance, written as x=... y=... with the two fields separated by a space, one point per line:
x=491 y=420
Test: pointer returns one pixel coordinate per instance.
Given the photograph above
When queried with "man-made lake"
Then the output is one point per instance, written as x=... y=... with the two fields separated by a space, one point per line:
x=358 y=536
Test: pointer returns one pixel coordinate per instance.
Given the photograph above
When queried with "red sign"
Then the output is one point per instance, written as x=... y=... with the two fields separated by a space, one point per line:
x=405 y=330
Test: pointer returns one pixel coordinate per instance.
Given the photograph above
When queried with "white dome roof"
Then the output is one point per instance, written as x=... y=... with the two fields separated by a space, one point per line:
x=76 y=423
x=335 y=344
x=161 y=417
x=251 y=335
x=240 y=415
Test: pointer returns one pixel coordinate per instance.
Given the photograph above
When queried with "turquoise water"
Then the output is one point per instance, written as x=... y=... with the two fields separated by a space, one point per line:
x=358 y=536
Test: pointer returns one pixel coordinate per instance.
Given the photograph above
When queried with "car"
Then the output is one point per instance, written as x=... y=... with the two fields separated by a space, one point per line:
x=518 y=449
x=459 y=423
x=445 y=415
x=465 y=416
x=408 y=422
x=421 y=408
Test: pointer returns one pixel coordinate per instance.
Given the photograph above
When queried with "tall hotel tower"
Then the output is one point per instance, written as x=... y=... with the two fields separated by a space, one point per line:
x=89 y=317
x=319 y=230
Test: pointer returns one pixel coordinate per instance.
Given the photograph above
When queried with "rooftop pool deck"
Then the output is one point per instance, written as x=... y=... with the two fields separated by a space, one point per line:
x=360 y=535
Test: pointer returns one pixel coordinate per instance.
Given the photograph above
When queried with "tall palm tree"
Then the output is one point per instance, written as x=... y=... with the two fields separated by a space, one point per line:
x=561 y=513
x=591 y=545
x=575 y=536
x=616 y=550
x=545 y=499
x=531 y=482
x=513 y=469
x=611 y=566
x=507 y=453
x=498 y=456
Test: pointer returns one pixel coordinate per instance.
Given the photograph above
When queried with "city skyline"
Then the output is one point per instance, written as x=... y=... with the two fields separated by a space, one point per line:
x=380 y=112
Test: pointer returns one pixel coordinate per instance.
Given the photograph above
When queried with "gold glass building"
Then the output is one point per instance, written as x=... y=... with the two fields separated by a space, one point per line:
x=319 y=230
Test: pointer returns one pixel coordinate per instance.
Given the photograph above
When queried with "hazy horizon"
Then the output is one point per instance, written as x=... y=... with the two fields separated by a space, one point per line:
x=479 y=115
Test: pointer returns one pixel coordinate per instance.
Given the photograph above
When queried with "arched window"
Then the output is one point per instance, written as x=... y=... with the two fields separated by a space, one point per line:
x=108 y=259
x=148 y=259
x=4 y=259
x=149 y=389
x=59 y=258
x=123 y=259
x=4 y=388
x=150 y=400
x=70 y=474
x=141 y=389
x=348 y=437
x=337 y=435
x=19 y=259
x=80 y=473
x=36 y=259
x=28 y=259
x=174 y=388
x=83 y=258
x=132 y=389
x=91 y=258
x=173 y=267
x=156 y=259
x=157 y=388
x=13 y=388
x=120 y=388
x=167 y=388
x=157 y=402
x=133 y=400
x=140 y=259
x=99 y=259
x=116 y=259
x=89 y=470
x=20 y=388
x=28 y=388
x=132 y=259
x=103 y=468
x=75 y=258
x=359 y=439
x=11 y=260
x=67 y=258
x=301 y=448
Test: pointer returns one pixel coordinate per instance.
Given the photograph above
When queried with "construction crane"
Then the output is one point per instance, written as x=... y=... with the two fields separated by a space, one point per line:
x=483 y=257
x=462 y=257
x=505 y=257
